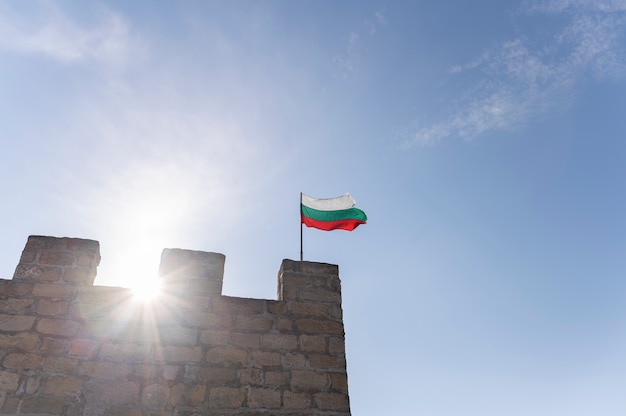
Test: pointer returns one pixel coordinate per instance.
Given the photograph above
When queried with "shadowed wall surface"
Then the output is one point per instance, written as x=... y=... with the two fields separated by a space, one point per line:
x=70 y=348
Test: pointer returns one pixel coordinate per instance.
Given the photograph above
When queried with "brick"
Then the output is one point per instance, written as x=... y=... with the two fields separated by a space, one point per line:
x=41 y=405
x=103 y=370
x=15 y=305
x=264 y=359
x=339 y=381
x=263 y=398
x=279 y=342
x=82 y=275
x=294 y=361
x=319 y=294
x=38 y=273
x=284 y=324
x=313 y=343
x=146 y=372
x=249 y=376
x=83 y=348
x=294 y=400
x=13 y=288
x=125 y=352
x=215 y=338
x=178 y=336
x=253 y=323
x=63 y=386
x=63 y=327
x=83 y=244
x=238 y=306
x=16 y=323
x=226 y=356
x=216 y=376
x=336 y=345
x=23 y=341
x=20 y=361
x=179 y=354
x=309 y=309
x=111 y=392
x=226 y=397
x=332 y=401
x=208 y=320
x=52 y=308
x=181 y=395
x=28 y=256
x=307 y=380
x=33 y=384
x=170 y=372
x=245 y=340
x=9 y=381
x=276 y=378
x=10 y=405
x=319 y=326
x=155 y=396
x=276 y=307
x=58 y=364
x=40 y=242
x=54 y=291
x=57 y=258
x=325 y=361
x=54 y=345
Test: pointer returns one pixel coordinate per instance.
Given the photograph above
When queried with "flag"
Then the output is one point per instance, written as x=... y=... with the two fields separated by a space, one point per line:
x=331 y=213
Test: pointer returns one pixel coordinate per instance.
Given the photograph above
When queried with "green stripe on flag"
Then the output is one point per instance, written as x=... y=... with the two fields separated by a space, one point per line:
x=328 y=216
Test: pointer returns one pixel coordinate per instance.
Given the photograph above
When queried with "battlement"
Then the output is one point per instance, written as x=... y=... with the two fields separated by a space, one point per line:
x=70 y=348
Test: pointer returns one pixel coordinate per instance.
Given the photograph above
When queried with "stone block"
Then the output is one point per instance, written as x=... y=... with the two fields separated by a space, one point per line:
x=279 y=342
x=155 y=396
x=308 y=380
x=315 y=343
x=276 y=378
x=22 y=361
x=16 y=305
x=24 y=341
x=264 y=359
x=60 y=386
x=52 y=307
x=296 y=400
x=83 y=348
x=35 y=272
x=216 y=376
x=265 y=398
x=182 y=395
x=62 y=327
x=253 y=323
x=239 y=339
x=15 y=323
x=226 y=357
x=42 y=405
x=226 y=397
x=339 y=381
x=327 y=361
x=57 y=364
x=9 y=381
x=331 y=401
x=56 y=291
x=319 y=326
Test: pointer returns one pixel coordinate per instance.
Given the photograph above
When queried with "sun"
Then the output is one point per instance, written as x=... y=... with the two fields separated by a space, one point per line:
x=146 y=290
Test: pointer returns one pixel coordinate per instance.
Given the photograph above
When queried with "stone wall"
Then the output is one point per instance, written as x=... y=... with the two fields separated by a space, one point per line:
x=70 y=348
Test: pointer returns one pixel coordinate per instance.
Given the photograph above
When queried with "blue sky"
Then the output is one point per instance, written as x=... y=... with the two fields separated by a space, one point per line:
x=485 y=141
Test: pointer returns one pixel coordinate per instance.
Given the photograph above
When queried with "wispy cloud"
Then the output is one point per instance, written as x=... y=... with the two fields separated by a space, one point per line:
x=347 y=60
x=525 y=79
x=50 y=32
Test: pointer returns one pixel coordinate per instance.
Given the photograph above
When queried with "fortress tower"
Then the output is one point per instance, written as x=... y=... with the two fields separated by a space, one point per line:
x=70 y=348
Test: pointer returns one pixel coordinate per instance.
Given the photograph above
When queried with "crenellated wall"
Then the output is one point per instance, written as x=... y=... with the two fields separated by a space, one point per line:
x=70 y=348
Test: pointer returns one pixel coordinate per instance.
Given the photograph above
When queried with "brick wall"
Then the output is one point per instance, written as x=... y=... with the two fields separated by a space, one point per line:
x=70 y=348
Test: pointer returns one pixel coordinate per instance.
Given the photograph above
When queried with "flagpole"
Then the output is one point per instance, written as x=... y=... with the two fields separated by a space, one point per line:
x=300 y=208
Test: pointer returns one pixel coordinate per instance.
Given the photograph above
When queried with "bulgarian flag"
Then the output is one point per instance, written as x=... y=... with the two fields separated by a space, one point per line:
x=331 y=213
